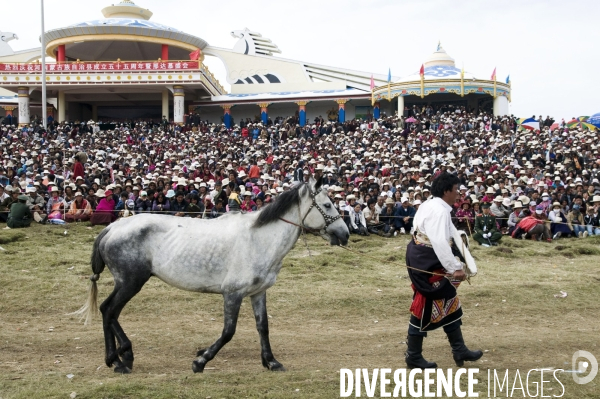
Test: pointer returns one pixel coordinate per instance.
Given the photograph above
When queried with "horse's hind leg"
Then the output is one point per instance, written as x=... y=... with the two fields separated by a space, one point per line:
x=259 y=305
x=231 y=304
x=125 y=289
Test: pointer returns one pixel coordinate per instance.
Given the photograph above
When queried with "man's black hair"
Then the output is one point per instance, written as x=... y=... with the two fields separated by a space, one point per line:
x=444 y=182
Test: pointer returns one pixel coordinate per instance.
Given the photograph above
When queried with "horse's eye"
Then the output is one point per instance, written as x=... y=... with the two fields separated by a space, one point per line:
x=328 y=206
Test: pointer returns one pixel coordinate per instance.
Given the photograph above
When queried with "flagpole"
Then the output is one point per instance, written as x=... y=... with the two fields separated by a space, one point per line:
x=494 y=83
x=44 y=108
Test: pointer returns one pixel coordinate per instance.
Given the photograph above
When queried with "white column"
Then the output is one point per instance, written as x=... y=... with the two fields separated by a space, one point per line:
x=23 y=106
x=178 y=104
x=165 y=103
x=500 y=106
x=400 y=105
x=62 y=106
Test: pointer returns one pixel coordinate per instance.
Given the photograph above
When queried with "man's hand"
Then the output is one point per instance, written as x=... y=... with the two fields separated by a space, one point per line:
x=459 y=275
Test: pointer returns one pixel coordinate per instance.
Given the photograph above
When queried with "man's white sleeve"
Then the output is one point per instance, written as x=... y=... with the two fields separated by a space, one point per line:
x=437 y=230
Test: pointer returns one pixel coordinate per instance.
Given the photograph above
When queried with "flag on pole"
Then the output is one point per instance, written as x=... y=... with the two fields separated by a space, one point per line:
x=389 y=75
x=372 y=83
x=493 y=74
x=530 y=124
x=508 y=79
x=422 y=70
x=194 y=55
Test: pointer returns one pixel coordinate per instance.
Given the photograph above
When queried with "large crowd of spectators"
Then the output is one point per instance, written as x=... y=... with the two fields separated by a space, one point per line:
x=377 y=172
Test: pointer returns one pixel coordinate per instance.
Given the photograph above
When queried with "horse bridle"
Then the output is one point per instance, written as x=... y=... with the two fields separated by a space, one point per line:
x=328 y=219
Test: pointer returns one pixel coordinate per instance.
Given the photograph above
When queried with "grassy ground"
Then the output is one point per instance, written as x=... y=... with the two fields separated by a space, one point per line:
x=334 y=309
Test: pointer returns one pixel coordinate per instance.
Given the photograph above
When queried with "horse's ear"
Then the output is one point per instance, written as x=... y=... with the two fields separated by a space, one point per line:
x=318 y=183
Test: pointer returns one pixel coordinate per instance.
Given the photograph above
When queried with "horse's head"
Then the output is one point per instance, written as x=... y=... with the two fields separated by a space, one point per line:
x=323 y=216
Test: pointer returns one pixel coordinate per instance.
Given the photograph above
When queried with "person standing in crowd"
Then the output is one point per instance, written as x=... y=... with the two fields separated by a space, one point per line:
x=431 y=259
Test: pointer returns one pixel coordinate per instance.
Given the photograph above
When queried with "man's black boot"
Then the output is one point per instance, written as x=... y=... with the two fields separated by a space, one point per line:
x=414 y=357
x=460 y=352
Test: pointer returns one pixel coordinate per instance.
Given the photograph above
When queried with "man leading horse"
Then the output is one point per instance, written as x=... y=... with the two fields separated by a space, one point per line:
x=436 y=268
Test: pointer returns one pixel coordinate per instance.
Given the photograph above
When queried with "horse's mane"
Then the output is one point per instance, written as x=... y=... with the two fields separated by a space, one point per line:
x=279 y=207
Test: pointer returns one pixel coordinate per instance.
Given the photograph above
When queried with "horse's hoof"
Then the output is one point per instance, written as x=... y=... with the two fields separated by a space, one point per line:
x=276 y=366
x=122 y=370
x=198 y=367
x=127 y=359
x=200 y=352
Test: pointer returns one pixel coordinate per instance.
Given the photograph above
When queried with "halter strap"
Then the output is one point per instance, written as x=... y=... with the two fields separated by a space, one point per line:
x=328 y=219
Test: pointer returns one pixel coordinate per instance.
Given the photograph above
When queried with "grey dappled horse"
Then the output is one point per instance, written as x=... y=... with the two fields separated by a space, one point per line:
x=236 y=255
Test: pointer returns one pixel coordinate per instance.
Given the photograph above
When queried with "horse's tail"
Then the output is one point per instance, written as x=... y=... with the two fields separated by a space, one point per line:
x=90 y=308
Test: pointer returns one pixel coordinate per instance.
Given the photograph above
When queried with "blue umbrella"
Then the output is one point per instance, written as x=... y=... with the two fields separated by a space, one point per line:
x=594 y=120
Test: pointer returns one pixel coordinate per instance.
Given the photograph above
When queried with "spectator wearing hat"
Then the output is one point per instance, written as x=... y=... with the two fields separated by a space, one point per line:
x=500 y=211
x=36 y=204
x=143 y=203
x=515 y=216
x=104 y=213
x=55 y=205
x=247 y=204
x=558 y=226
x=486 y=230
x=591 y=219
x=575 y=222
x=79 y=211
x=387 y=217
x=465 y=216
x=20 y=215
x=128 y=209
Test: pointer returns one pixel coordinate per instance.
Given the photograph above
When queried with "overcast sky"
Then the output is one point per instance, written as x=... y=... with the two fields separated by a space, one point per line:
x=549 y=48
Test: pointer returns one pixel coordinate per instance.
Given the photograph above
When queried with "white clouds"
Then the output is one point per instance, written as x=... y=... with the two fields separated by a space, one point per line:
x=549 y=47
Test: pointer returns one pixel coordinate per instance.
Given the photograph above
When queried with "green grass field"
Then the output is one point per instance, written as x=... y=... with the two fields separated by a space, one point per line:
x=333 y=309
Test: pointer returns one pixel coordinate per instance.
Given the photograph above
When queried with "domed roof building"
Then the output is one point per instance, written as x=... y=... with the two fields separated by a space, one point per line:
x=440 y=81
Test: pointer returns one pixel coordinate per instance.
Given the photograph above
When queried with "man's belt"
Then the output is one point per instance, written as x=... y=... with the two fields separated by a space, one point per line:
x=422 y=239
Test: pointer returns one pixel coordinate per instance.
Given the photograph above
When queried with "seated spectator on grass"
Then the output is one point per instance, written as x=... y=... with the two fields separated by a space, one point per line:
x=55 y=205
x=247 y=204
x=79 y=211
x=515 y=217
x=161 y=204
x=465 y=216
x=558 y=226
x=358 y=224
x=575 y=222
x=195 y=207
x=592 y=224
x=143 y=203
x=404 y=216
x=104 y=213
x=6 y=204
x=374 y=226
x=20 y=214
x=37 y=205
x=179 y=207
x=387 y=217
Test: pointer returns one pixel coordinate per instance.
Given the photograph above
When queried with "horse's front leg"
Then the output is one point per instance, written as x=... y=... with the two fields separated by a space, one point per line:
x=259 y=305
x=231 y=305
